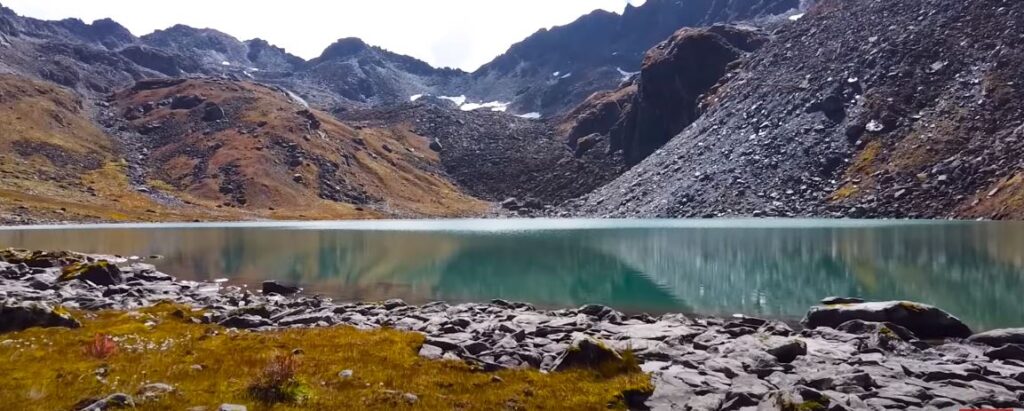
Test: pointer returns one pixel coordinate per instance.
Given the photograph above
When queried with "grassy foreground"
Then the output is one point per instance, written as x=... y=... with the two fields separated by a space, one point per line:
x=53 y=369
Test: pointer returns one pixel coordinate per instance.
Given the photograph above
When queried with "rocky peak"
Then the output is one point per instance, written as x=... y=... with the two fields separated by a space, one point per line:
x=212 y=46
x=644 y=113
x=554 y=70
x=344 y=48
x=267 y=56
x=106 y=32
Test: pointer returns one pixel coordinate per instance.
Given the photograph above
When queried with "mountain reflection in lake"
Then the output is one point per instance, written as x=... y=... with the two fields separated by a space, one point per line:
x=772 y=268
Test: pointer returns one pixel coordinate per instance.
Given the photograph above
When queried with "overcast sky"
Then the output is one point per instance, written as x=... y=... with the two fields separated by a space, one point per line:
x=452 y=33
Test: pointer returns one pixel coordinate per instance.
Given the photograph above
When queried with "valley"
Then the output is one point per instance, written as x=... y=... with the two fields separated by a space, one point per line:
x=708 y=108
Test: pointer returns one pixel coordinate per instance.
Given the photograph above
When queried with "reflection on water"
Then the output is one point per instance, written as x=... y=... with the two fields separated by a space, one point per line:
x=761 y=267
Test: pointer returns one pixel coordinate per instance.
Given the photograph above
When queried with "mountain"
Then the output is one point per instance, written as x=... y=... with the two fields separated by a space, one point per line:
x=497 y=157
x=547 y=73
x=648 y=110
x=553 y=70
x=369 y=75
x=858 y=109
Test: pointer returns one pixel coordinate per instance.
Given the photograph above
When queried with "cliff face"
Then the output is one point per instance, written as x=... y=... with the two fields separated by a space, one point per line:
x=647 y=111
x=860 y=108
x=554 y=70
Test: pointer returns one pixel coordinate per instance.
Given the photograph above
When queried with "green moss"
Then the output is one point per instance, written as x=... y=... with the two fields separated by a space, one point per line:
x=75 y=270
x=46 y=369
x=910 y=306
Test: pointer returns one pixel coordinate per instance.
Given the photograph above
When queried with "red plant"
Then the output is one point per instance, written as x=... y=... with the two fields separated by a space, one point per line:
x=279 y=370
x=101 y=347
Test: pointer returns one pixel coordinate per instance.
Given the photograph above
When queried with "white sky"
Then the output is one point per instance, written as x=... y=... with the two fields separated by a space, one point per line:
x=453 y=33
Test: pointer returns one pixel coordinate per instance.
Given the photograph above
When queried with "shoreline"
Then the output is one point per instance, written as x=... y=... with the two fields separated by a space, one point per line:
x=694 y=362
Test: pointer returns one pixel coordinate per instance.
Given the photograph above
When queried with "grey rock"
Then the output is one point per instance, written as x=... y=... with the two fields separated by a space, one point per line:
x=346 y=374
x=432 y=352
x=113 y=401
x=788 y=352
x=154 y=391
x=860 y=327
x=246 y=322
x=326 y=317
x=232 y=407
x=213 y=113
x=1007 y=352
x=998 y=338
x=272 y=287
x=22 y=316
x=923 y=320
x=841 y=300
x=586 y=353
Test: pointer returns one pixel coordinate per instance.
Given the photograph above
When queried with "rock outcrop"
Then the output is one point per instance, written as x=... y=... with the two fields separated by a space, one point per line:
x=15 y=316
x=650 y=109
x=554 y=70
x=857 y=109
x=923 y=320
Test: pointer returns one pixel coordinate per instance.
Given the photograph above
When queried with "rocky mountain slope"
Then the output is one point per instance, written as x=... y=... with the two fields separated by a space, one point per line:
x=547 y=73
x=56 y=164
x=554 y=70
x=860 y=108
x=244 y=145
x=498 y=157
x=647 y=111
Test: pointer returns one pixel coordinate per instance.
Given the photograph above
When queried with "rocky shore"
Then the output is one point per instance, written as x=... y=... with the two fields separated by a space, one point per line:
x=849 y=355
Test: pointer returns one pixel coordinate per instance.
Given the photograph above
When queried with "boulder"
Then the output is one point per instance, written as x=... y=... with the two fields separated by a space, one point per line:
x=789 y=351
x=923 y=320
x=1007 y=352
x=997 y=338
x=154 y=391
x=272 y=287
x=436 y=145
x=245 y=322
x=213 y=113
x=18 y=317
x=860 y=327
x=187 y=102
x=114 y=401
x=587 y=353
x=101 y=273
x=841 y=300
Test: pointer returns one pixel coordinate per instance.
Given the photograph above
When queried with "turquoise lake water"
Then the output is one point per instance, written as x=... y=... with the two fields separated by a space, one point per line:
x=773 y=268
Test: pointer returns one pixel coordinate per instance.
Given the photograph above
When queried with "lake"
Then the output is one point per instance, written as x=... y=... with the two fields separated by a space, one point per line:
x=764 y=267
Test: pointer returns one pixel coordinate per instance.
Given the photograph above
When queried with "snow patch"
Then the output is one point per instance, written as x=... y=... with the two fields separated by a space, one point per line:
x=225 y=63
x=296 y=98
x=567 y=75
x=459 y=101
x=626 y=75
x=796 y=17
x=531 y=116
x=493 y=105
x=415 y=97
x=555 y=74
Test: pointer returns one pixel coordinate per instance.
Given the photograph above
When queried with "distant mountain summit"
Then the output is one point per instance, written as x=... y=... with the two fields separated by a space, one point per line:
x=545 y=74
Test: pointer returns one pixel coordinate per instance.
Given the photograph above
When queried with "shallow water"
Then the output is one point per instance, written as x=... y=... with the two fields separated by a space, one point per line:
x=775 y=268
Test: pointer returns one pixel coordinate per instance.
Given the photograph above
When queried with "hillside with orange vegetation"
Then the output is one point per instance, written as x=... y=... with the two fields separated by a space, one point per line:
x=227 y=144
x=269 y=157
x=57 y=165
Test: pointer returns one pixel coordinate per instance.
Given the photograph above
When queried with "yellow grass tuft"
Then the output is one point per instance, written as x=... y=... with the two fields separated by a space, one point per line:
x=46 y=369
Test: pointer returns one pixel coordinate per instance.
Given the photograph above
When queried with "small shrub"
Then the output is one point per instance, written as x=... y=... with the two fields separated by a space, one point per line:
x=101 y=347
x=278 y=382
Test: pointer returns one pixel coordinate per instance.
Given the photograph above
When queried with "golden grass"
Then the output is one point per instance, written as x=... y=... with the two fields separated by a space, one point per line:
x=46 y=369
